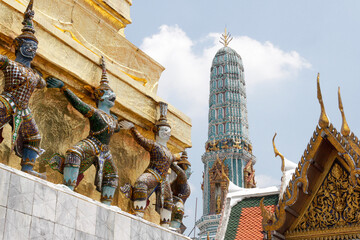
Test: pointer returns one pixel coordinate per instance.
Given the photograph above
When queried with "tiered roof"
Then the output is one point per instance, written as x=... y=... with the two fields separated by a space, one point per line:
x=241 y=216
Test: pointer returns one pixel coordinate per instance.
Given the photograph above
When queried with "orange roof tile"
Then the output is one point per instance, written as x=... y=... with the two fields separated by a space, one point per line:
x=250 y=227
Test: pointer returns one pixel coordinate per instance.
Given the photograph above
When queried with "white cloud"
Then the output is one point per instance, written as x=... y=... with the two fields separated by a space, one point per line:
x=263 y=181
x=264 y=62
x=185 y=81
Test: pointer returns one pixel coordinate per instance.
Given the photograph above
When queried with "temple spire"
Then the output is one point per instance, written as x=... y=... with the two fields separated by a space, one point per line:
x=225 y=38
x=345 y=130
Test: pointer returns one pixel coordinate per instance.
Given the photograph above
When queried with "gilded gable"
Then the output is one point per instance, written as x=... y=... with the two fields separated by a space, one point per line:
x=335 y=206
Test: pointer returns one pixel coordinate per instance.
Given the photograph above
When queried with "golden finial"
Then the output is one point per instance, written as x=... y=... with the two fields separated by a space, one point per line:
x=277 y=153
x=323 y=121
x=208 y=237
x=345 y=130
x=225 y=38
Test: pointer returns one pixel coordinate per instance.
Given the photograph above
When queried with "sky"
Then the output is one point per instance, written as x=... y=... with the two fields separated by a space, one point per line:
x=283 y=45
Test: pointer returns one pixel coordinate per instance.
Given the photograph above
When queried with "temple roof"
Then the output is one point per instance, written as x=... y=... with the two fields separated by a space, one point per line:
x=241 y=216
x=321 y=197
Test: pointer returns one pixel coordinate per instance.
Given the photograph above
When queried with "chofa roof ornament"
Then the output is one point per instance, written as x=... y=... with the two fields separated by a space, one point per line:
x=324 y=120
x=277 y=153
x=345 y=130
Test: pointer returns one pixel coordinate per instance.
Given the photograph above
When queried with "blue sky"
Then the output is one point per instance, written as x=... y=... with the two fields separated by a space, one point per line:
x=283 y=45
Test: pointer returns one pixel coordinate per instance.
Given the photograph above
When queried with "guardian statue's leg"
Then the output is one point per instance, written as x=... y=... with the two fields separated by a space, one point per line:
x=31 y=146
x=144 y=184
x=71 y=169
x=110 y=182
x=165 y=211
x=177 y=213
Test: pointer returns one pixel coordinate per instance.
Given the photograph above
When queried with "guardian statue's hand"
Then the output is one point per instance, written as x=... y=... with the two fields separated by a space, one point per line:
x=53 y=82
x=125 y=124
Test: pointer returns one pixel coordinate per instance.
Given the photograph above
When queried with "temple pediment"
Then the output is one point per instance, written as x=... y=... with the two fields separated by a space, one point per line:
x=334 y=208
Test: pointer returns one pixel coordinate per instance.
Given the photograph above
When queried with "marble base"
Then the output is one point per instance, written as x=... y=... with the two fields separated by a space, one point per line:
x=32 y=208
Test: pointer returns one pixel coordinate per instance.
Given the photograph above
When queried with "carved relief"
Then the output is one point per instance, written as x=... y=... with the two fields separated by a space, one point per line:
x=219 y=182
x=249 y=175
x=335 y=204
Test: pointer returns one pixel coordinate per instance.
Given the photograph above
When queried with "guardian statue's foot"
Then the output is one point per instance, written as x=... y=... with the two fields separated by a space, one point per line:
x=36 y=174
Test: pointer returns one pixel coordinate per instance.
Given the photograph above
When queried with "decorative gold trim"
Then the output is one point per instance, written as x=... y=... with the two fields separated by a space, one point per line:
x=74 y=38
x=344 y=232
x=324 y=120
x=112 y=15
x=20 y=3
x=143 y=80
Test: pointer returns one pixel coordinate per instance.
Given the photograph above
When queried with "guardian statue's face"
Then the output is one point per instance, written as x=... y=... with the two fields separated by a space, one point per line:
x=164 y=132
x=28 y=48
x=108 y=98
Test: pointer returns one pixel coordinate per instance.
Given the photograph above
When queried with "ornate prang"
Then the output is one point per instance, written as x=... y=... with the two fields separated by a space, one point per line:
x=324 y=120
x=228 y=131
x=345 y=130
x=226 y=38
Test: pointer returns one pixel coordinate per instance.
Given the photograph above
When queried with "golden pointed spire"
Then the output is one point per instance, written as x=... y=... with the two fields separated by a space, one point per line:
x=345 y=130
x=225 y=38
x=277 y=153
x=208 y=237
x=324 y=120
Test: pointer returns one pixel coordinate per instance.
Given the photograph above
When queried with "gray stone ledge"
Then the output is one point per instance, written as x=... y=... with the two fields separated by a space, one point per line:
x=32 y=208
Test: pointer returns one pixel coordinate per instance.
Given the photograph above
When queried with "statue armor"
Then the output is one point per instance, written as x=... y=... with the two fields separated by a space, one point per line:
x=20 y=83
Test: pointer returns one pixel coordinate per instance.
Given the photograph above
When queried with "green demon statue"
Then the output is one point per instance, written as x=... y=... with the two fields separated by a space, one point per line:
x=95 y=148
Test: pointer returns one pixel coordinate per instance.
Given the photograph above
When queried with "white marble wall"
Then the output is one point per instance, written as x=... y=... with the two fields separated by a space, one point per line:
x=31 y=208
